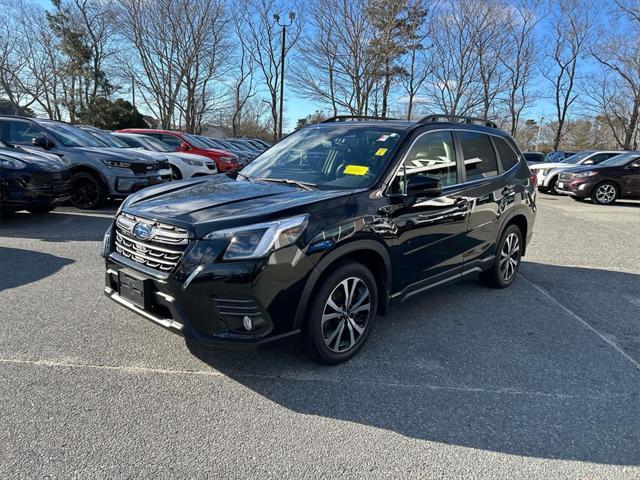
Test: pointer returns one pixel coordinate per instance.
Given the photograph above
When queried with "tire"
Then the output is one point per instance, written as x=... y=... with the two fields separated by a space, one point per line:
x=507 y=262
x=552 y=186
x=605 y=193
x=87 y=191
x=41 y=210
x=175 y=173
x=326 y=338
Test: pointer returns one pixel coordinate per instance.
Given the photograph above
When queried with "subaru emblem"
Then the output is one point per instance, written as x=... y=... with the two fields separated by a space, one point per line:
x=142 y=231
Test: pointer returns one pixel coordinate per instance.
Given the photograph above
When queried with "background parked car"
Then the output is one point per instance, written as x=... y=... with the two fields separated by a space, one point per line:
x=534 y=157
x=110 y=140
x=183 y=165
x=547 y=172
x=97 y=171
x=243 y=156
x=618 y=177
x=32 y=182
x=185 y=142
x=559 y=155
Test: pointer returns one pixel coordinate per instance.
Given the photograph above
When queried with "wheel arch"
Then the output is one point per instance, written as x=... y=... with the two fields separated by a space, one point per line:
x=92 y=171
x=369 y=253
x=520 y=220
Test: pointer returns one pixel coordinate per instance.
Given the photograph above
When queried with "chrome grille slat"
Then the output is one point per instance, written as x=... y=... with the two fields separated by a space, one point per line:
x=162 y=251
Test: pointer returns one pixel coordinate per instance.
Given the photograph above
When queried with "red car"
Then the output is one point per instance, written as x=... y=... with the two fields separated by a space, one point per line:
x=185 y=142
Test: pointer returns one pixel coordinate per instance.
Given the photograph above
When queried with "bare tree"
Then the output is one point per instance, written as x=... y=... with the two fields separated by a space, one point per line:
x=571 y=25
x=263 y=36
x=520 y=58
x=614 y=92
x=243 y=88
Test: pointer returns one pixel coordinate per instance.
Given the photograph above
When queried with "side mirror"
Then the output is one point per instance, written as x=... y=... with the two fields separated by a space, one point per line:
x=185 y=146
x=42 y=142
x=423 y=186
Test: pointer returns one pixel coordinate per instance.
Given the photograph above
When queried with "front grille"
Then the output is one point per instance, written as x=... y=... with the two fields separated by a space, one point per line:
x=41 y=179
x=142 y=168
x=161 y=251
x=47 y=181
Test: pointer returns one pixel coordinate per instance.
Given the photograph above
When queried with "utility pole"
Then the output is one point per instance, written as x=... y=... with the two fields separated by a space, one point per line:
x=276 y=17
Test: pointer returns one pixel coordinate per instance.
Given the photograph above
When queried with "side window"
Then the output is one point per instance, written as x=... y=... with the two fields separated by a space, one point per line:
x=433 y=155
x=171 y=141
x=130 y=141
x=508 y=157
x=23 y=133
x=479 y=157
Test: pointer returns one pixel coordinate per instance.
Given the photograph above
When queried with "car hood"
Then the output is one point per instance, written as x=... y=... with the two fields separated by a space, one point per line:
x=214 y=202
x=44 y=161
x=189 y=156
x=548 y=165
x=124 y=154
x=157 y=156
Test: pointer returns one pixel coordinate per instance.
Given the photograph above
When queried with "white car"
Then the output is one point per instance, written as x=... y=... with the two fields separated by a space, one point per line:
x=547 y=172
x=183 y=165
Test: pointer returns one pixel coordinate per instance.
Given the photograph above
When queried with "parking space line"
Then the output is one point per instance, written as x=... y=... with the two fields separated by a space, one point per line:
x=296 y=378
x=583 y=322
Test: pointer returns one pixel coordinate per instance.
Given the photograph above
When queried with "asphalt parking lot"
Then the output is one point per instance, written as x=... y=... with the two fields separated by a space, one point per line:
x=541 y=380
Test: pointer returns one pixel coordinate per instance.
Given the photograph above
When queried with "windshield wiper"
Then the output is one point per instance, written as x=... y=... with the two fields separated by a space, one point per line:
x=288 y=181
x=246 y=176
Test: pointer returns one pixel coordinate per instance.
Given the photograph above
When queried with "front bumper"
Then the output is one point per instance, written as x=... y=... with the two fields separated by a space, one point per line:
x=121 y=186
x=211 y=307
x=18 y=192
x=576 y=188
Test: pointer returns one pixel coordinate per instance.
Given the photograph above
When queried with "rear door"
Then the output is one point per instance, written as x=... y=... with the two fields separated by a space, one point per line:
x=489 y=194
x=631 y=179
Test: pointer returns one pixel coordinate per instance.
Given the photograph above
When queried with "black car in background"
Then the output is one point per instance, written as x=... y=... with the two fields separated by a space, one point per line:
x=32 y=182
x=618 y=177
x=535 y=157
x=323 y=231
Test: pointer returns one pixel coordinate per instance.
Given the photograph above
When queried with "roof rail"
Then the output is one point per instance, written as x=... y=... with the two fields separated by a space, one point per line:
x=344 y=118
x=457 y=119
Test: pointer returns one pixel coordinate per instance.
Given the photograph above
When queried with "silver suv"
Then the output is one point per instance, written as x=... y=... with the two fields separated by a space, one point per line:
x=98 y=171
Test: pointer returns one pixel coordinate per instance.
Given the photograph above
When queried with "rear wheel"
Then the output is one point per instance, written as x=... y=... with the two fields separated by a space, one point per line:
x=604 y=193
x=87 y=191
x=507 y=261
x=341 y=314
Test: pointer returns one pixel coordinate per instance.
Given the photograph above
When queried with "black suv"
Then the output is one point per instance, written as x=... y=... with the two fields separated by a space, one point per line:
x=323 y=231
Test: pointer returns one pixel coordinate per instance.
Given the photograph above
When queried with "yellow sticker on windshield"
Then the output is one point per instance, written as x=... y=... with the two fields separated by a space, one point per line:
x=356 y=170
x=381 y=152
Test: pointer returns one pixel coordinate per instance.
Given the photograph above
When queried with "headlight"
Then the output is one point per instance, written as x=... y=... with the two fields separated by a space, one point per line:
x=12 y=164
x=117 y=163
x=259 y=240
x=229 y=159
x=106 y=242
x=585 y=174
x=195 y=163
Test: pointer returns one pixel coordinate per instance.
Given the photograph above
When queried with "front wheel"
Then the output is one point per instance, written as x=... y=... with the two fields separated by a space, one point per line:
x=552 y=186
x=87 y=191
x=507 y=261
x=41 y=210
x=341 y=314
x=605 y=193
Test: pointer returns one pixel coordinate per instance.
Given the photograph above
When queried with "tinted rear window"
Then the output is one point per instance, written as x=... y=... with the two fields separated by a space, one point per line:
x=479 y=158
x=508 y=157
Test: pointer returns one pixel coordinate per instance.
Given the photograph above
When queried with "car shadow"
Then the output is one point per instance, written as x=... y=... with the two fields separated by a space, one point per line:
x=27 y=266
x=57 y=226
x=501 y=370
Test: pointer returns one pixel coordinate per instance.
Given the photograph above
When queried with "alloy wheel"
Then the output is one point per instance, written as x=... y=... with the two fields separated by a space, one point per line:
x=85 y=193
x=509 y=256
x=346 y=315
x=606 y=193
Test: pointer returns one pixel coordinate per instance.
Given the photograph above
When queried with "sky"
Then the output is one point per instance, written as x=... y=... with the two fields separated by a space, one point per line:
x=298 y=107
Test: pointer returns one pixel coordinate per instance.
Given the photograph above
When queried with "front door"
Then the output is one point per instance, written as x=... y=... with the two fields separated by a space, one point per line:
x=430 y=231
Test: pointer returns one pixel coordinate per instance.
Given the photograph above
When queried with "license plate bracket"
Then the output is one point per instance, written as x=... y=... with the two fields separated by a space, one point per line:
x=134 y=288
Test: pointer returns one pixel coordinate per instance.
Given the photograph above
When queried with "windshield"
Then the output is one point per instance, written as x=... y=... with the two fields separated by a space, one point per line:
x=576 y=158
x=336 y=156
x=154 y=144
x=195 y=141
x=107 y=138
x=71 y=136
x=620 y=160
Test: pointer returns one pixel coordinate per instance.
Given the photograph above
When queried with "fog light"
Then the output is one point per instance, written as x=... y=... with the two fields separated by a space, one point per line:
x=247 y=323
x=581 y=186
